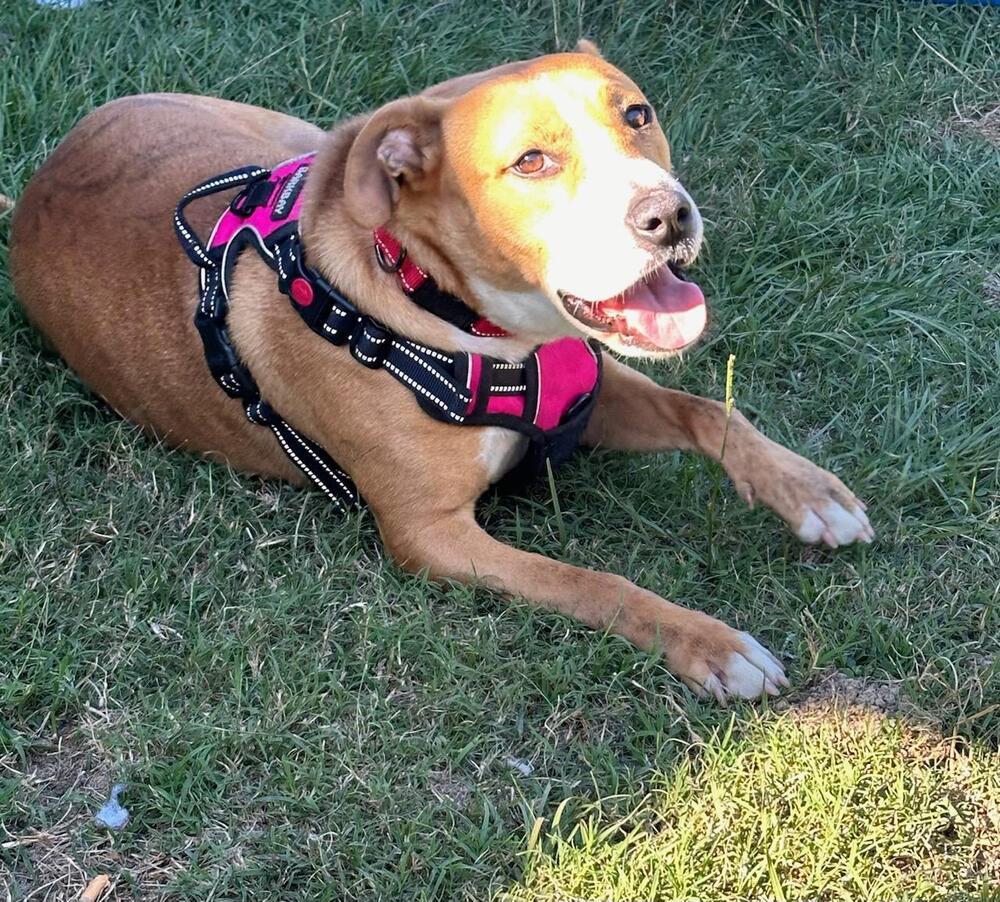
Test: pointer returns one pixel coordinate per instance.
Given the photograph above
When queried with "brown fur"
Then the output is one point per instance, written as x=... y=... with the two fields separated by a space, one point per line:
x=98 y=269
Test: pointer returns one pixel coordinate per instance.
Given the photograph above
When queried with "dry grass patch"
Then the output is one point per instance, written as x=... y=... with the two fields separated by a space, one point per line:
x=51 y=845
x=983 y=122
x=991 y=288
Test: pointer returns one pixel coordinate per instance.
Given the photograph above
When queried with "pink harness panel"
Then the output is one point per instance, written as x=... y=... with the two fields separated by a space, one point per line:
x=283 y=205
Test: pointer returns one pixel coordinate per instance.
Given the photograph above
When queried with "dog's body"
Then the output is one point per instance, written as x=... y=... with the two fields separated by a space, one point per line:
x=453 y=171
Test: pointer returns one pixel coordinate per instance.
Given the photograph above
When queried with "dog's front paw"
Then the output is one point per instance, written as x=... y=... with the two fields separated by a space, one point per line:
x=725 y=663
x=812 y=501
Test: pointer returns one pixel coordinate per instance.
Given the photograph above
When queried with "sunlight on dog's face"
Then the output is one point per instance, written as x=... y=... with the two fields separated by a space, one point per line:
x=567 y=174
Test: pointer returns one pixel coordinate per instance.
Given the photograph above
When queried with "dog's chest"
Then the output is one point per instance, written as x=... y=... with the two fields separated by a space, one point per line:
x=499 y=450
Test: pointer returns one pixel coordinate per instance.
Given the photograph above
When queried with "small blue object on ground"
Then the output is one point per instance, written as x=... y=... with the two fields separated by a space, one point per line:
x=112 y=815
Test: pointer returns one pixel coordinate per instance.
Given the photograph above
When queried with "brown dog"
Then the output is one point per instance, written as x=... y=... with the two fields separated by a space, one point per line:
x=532 y=191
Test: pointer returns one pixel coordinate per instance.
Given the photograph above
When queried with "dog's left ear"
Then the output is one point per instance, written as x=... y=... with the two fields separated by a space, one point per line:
x=585 y=45
x=396 y=150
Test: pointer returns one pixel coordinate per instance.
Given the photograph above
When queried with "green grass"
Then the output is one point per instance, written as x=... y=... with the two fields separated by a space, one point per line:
x=298 y=720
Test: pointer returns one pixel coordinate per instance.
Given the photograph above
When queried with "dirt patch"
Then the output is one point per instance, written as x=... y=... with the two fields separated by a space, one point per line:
x=836 y=693
x=446 y=788
x=50 y=847
x=851 y=712
x=855 y=706
x=58 y=781
x=985 y=123
x=991 y=289
x=837 y=690
x=67 y=766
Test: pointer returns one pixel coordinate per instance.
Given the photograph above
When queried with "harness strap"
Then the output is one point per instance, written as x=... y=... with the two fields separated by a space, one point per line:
x=430 y=374
x=224 y=363
x=319 y=467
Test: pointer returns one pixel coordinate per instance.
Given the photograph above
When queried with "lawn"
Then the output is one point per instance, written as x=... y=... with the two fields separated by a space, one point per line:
x=296 y=719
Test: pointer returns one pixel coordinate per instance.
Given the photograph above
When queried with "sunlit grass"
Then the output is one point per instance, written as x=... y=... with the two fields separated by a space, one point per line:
x=837 y=805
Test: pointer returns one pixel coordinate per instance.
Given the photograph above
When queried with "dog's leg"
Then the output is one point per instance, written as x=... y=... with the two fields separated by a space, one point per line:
x=634 y=413
x=708 y=655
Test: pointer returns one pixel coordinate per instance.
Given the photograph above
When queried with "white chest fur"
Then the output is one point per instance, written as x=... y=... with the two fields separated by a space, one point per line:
x=499 y=450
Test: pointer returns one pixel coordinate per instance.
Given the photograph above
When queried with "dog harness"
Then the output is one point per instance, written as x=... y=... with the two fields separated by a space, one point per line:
x=547 y=397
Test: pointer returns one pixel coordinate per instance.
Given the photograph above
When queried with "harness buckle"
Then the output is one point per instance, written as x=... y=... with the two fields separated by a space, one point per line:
x=387 y=265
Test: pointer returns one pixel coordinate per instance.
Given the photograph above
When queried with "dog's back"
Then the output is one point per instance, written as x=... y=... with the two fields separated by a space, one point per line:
x=107 y=194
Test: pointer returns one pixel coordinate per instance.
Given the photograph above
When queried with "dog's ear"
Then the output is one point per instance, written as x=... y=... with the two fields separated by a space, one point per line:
x=398 y=149
x=585 y=45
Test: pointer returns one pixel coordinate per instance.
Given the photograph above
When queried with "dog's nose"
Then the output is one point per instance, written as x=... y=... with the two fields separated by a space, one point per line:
x=662 y=217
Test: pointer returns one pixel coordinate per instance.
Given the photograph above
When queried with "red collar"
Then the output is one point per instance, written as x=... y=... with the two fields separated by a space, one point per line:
x=423 y=290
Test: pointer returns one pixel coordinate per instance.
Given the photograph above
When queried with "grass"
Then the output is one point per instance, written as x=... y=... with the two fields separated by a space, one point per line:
x=298 y=720
x=809 y=807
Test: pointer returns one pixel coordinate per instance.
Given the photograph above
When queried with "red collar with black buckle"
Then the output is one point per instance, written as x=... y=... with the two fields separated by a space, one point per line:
x=424 y=291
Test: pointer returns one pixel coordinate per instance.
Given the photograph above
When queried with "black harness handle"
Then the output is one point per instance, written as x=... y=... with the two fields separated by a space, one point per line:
x=223 y=361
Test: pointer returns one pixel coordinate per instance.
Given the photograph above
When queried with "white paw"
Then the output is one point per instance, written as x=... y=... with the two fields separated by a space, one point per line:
x=748 y=673
x=815 y=504
x=835 y=524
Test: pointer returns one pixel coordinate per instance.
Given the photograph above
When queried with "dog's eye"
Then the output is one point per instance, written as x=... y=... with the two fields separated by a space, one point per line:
x=533 y=162
x=638 y=115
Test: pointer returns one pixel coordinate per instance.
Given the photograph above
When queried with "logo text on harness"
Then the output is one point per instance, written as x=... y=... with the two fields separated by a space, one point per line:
x=289 y=192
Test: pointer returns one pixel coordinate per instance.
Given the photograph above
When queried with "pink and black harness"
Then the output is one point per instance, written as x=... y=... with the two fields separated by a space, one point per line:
x=548 y=397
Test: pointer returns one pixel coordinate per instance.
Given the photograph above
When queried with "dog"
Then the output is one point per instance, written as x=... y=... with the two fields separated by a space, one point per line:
x=539 y=195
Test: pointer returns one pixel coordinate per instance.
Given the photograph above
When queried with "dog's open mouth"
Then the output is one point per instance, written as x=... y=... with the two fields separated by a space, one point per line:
x=663 y=312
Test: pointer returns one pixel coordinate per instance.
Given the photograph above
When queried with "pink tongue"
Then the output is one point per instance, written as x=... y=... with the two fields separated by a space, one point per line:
x=668 y=312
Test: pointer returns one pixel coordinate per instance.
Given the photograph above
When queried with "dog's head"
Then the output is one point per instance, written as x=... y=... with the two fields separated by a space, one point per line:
x=546 y=185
